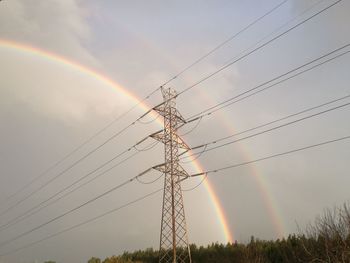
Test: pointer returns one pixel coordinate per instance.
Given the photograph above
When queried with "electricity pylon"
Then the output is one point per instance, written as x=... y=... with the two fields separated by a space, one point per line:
x=174 y=246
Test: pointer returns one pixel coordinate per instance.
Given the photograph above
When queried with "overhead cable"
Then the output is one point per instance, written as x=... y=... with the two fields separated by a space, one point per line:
x=258 y=48
x=37 y=208
x=82 y=223
x=273 y=82
x=128 y=181
x=261 y=132
x=65 y=157
x=272 y=156
x=224 y=42
x=140 y=102
x=52 y=200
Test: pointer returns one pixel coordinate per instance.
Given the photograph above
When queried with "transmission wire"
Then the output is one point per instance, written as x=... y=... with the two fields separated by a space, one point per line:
x=272 y=156
x=79 y=147
x=232 y=100
x=15 y=220
x=36 y=209
x=140 y=102
x=256 y=49
x=224 y=42
x=72 y=210
x=262 y=132
x=185 y=90
x=83 y=223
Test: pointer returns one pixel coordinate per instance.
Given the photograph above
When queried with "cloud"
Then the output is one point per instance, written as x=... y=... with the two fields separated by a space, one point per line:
x=49 y=89
x=60 y=26
x=56 y=91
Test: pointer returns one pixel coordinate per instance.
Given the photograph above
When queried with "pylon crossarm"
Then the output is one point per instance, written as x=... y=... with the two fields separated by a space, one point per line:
x=139 y=142
x=182 y=144
x=194 y=119
x=159 y=136
x=179 y=117
x=198 y=174
x=182 y=172
x=184 y=152
x=145 y=114
x=160 y=109
x=194 y=148
x=159 y=167
x=183 y=179
x=152 y=134
x=144 y=172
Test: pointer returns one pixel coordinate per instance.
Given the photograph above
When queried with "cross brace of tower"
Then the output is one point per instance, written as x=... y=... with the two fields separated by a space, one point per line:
x=174 y=245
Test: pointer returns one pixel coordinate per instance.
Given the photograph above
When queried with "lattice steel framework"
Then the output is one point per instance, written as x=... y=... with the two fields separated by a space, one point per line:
x=174 y=245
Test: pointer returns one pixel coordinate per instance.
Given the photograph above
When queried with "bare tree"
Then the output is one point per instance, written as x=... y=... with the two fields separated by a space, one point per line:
x=328 y=238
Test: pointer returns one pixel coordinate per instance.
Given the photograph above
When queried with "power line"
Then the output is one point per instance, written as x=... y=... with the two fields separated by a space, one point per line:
x=72 y=210
x=194 y=175
x=83 y=223
x=34 y=210
x=231 y=101
x=245 y=55
x=272 y=156
x=262 y=132
x=85 y=156
x=88 y=153
x=140 y=102
x=255 y=49
x=278 y=29
x=190 y=87
x=199 y=117
x=157 y=191
x=194 y=127
x=71 y=166
x=197 y=185
x=258 y=48
x=150 y=182
x=23 y=216
x=64 y=171
x=225 y=42
x=286 y=117
x=240 y=97
x=79 y=147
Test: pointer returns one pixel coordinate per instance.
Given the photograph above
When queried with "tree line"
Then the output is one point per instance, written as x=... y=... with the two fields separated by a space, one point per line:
x=327 y=239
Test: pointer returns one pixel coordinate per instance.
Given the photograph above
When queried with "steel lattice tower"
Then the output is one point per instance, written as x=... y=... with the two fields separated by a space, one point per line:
x=174 y=246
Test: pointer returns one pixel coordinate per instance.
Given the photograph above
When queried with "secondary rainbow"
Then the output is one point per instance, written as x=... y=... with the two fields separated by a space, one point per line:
x=59 y=59
x=263 y=188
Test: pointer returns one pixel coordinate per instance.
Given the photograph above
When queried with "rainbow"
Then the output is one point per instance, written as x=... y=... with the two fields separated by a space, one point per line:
x=262 y=185
x=98 y=76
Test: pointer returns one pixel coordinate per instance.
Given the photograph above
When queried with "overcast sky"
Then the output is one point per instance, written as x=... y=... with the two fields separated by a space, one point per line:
x=48 y=108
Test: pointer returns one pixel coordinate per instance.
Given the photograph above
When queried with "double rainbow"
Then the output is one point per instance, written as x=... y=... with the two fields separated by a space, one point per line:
x=228 y=233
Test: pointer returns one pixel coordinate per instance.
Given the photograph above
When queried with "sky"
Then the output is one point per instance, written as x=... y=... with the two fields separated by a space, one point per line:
x=48 y=108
